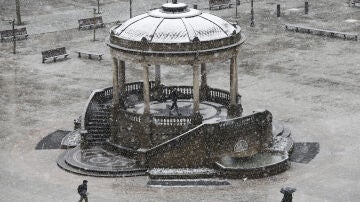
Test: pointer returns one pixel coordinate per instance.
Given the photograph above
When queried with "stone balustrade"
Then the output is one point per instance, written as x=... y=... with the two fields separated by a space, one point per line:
x=159 y=124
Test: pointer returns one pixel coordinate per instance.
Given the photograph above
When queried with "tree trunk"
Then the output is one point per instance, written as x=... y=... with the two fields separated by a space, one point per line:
x=18 y=16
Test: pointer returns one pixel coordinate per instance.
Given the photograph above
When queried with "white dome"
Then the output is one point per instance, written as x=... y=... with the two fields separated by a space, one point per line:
x=175 y=23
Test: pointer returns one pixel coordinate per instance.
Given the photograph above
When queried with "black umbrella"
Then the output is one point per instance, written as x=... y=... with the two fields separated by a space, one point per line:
x=287 y=190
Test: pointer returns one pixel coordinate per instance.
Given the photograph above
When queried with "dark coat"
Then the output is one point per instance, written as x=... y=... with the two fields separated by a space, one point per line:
x=287 y=198
x=82 y=189
x=173 y=96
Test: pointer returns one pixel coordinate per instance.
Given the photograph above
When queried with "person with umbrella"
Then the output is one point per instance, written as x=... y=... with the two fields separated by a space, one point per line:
x=287 y=191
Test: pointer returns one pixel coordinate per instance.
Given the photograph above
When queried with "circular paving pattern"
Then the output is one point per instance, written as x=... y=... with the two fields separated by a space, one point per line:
x=99 y=159
x=98 y=162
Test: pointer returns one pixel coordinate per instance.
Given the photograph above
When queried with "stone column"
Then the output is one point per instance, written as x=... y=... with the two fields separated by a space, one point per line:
x=234 y=109
x=116 y=87
x=197 y=118
x=121 y=83
x=122 y=77
x=203 y=85
x=158 y=87
x=115 y=125
x=157 y=75
x=146 y=89
x=146 y=118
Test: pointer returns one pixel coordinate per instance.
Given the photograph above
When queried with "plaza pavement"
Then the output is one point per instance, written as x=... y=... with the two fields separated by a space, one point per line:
x=310 y=83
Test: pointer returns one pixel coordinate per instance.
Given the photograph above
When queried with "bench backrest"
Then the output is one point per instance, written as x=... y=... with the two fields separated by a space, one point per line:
x=53 y=52
x=9 y=33
x=218 y=2
x=90 y=21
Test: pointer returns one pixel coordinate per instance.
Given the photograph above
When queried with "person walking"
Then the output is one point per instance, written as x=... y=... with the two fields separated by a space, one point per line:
x=174 y=96
x=288 y=192
x=82 y=190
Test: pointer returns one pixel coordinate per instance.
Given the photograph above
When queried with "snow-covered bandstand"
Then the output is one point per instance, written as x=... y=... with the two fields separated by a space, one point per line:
x=132 y=122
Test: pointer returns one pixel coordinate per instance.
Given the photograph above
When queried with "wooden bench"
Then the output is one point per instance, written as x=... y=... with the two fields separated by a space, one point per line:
x=355 y=3
x=321 y=32
x=54 y=54
x=220 y=4
x=90 y=23
x=90 y=54
x=19 y=34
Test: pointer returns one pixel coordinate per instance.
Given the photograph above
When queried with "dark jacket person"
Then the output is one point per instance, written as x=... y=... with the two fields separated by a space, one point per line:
x=82 y=190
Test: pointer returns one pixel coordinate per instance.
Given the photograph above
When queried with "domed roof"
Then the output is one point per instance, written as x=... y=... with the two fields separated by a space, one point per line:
x=175 y=23
x=175 y=27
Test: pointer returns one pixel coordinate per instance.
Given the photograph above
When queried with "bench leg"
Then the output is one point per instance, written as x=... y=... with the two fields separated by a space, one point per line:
x=43 y=60
x=100 y=57
x=79 y=55
x=89 y=56
x=54 y=59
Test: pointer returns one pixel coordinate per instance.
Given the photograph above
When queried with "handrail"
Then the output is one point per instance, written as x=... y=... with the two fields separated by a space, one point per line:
x=93 y=94
x=239 y=121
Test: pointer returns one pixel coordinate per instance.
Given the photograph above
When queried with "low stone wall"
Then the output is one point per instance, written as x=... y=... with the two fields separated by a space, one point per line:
x=258 y=172
x=206 y=143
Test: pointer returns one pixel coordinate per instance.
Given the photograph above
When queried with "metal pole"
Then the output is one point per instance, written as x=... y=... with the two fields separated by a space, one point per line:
x=306 y=7
x=278 y=10
x=18 y=15
x=94 y=22
x=13 y=33
x=236 y=8
x=98 y=4
x=252 y=24
x=130 y=8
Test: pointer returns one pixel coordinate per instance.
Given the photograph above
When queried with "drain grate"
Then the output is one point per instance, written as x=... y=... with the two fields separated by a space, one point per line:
x=304 y=152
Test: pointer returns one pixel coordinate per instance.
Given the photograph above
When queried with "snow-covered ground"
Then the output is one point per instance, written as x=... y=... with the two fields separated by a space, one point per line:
x=310 y=83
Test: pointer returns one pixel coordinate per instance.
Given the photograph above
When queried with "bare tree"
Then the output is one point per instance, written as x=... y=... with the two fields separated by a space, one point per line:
x=18 y=15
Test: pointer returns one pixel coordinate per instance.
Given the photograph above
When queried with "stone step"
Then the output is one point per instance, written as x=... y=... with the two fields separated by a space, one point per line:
x=102 y=116
x=99 y=131
x=96 y=138
x=181 y=173
x=97 y=127
x=187 y=182
x=97 y=134
x=100 y=113
x=99 y=120
x=96 y=142
x=94 y=123
x=62 y=163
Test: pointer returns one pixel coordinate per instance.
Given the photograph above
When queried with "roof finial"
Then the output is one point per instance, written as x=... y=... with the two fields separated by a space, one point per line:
x=174 y=1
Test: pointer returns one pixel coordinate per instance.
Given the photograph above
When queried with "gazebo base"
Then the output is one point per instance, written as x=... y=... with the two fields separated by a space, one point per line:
x=104 y=162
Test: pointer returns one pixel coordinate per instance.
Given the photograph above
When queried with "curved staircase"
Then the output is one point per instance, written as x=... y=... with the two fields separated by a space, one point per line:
x=98 y=124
